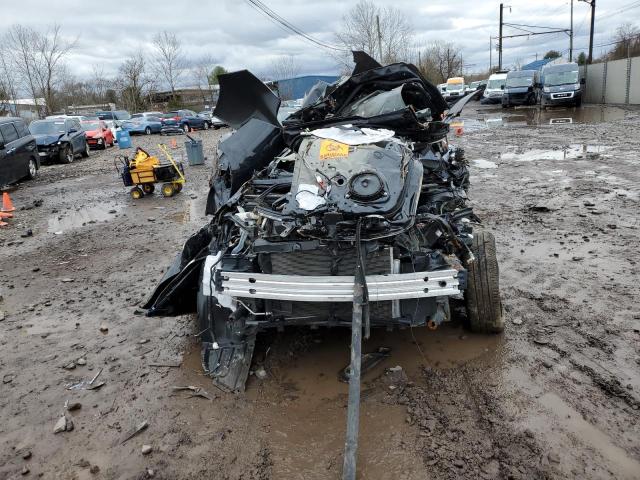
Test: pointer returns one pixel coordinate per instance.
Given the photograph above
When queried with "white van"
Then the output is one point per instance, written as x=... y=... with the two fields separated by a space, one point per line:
x=495 y=88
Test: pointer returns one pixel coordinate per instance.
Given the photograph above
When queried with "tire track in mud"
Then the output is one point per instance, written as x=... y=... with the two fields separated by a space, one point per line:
x=464 y=433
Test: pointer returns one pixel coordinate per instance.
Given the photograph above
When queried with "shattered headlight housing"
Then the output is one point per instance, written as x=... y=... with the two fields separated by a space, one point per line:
x=546 y=90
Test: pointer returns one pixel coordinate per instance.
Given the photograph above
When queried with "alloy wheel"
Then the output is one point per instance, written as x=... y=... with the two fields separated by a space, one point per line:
x=33 y=169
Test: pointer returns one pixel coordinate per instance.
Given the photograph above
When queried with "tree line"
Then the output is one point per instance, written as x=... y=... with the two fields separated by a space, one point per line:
x=387 y=34
x=34 y=65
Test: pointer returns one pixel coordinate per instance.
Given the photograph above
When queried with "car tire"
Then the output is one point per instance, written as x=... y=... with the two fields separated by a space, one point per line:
x=482 y=295
x=186 y=128
x=33 y=169
x=147 y=131
x=86 y=151
x=206 y=125
x=66 y=154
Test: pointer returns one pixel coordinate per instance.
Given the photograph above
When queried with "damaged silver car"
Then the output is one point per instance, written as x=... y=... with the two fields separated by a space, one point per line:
x=351 y=212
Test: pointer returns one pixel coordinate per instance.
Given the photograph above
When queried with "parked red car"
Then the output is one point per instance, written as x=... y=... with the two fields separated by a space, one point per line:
x=99 y=135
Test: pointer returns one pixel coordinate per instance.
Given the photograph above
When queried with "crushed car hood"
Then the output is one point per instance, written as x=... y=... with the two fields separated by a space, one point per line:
x=47 y=139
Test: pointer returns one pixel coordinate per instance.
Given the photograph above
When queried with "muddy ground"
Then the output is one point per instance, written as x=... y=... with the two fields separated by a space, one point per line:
x=556 y=396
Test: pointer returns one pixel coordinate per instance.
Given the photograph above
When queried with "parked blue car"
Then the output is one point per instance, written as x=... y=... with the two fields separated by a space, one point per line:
x=142 y=125
x=187 y=120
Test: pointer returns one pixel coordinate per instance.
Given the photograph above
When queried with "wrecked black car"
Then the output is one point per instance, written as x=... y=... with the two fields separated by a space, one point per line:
x=351 y=212
x=59 y=140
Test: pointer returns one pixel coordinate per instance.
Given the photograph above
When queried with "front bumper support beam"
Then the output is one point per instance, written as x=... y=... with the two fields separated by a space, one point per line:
x=398 y=286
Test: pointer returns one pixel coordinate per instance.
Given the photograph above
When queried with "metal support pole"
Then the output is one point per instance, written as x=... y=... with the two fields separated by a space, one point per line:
x=379 y=38
x=603 y=97
x=360 y=311
x=593 y=16
x=490 y=56
x=500 y=40
x=571 y=36
x=626 y=97
x=353 y=407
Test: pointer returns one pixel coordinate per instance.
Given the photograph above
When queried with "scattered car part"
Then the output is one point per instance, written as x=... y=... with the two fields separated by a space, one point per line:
x=369 y=361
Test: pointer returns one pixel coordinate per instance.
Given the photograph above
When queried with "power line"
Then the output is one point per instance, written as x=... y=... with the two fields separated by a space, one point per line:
x=530 y=26
x=285 y=24
x=637 y=36
x=622 y=9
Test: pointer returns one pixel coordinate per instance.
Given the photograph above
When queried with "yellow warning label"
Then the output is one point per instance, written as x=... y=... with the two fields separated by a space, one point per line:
x=330 y=149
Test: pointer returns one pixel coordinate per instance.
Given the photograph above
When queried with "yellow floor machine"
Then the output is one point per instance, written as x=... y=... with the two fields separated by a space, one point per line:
x=144 y=171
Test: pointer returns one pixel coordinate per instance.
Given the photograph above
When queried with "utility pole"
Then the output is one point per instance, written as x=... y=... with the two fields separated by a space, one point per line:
x=593 y=17
x=379 y=38
x=500 y=40
x=490 y=56
x=571 y=36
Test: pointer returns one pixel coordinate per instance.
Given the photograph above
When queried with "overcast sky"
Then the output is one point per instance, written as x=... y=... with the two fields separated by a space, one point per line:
x=238 y=36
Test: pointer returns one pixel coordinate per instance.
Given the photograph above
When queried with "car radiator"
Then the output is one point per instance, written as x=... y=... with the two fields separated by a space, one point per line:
x=324 y=261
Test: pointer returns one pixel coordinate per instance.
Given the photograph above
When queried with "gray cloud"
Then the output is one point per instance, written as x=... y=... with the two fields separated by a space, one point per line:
x=238 y=36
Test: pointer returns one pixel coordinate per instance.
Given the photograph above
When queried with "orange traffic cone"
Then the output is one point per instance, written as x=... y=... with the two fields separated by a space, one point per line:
x=7 y=204
x=5 y=215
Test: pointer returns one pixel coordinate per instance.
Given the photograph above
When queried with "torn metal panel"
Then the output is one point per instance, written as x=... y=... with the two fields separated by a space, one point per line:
x=245 y=98
x=363 y=62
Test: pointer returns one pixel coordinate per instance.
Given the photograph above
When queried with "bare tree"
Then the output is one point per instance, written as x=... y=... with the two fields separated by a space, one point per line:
x=389 y=43
x=99 y=84
x=51 y=50
x=22 y=43
x=169 y=59
x=284 y=68
x=441 y=60
x=38 y=61
x=201 y=72
x=627 y=40
x=133 y=81
x=8 y=92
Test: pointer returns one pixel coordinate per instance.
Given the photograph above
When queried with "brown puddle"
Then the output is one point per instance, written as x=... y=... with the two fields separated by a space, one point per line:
x=304 y=404
x=309 y=403
x=535 y=116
